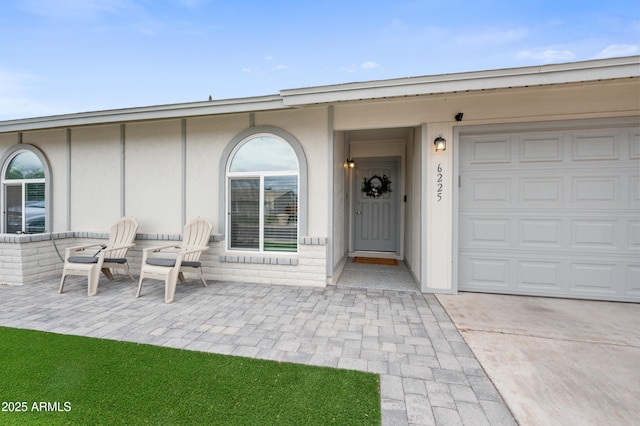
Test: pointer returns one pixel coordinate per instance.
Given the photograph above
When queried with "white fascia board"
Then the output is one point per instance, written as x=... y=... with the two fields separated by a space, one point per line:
x=193 y=109
x=605 y=69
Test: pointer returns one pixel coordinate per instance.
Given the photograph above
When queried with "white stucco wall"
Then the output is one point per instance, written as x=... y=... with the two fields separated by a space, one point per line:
x=437 y=194
x=95 y=178
x=7 y=140
x=152 y=175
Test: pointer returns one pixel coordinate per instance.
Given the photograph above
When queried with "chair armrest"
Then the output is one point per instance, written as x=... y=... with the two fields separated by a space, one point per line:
x=158 y=248
x=86 y=246
x=119 y=247
x=194 y=250
x=70 y=251
x=149 y=250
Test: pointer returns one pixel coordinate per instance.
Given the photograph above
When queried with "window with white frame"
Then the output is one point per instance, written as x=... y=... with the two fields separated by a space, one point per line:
x=23 y=193
x=262 y=201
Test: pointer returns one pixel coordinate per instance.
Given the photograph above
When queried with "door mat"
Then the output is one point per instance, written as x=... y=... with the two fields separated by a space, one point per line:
x=375 y=261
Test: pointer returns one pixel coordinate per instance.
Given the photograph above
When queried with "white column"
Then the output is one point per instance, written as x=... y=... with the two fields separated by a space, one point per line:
x=437 y=220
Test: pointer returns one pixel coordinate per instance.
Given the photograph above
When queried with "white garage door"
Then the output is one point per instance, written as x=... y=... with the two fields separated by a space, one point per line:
x=551 y=212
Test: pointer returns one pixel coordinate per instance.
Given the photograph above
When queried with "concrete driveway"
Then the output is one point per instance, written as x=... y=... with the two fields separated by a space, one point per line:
x=555 y=361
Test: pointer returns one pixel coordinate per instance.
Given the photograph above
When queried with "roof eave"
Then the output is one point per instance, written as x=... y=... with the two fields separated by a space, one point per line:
x=604 y=69
x=193 y=109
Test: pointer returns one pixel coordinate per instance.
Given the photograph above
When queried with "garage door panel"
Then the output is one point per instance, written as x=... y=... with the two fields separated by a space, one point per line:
x=489 y=151
x=540 y=233
x=551 y=213
x=487 y=273
x=491 y=190
x=546 y=190
x=541 y=149
x=592 y=277
x=539 y=275
x=594 y=190
x=594 y=234
x=595 y=148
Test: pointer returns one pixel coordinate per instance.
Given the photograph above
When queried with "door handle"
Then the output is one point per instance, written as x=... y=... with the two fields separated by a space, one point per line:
x=358 y=212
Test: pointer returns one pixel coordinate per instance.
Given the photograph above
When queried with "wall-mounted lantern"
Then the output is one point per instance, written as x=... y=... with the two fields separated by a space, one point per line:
x=440 y=143
x=350 y=163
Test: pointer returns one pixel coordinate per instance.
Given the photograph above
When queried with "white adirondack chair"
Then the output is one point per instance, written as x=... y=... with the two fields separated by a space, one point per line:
x=187 y=259
x=109 y=256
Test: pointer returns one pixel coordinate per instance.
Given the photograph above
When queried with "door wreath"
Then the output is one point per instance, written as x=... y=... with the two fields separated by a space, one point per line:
x=375 y=186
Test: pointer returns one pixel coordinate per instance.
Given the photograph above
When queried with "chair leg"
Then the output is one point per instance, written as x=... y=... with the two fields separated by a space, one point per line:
x=140 y=285
x=170 y=286
x=201 y=276
x=64 y=277
x=107 y=273
x=94 y=277
x=126 y=267
x=169 y=290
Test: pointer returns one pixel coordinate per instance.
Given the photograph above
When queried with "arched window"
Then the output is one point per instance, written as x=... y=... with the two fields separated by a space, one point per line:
x=262 y=186
x=24 y=191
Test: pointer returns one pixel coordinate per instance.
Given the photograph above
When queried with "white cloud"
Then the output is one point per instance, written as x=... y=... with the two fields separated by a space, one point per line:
x=548 y=55
x=615 y=50
x=11 y=82
x=368 y=65
x=15 y=100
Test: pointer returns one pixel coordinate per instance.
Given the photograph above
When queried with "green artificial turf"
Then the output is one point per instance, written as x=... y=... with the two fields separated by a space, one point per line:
x=61 y=379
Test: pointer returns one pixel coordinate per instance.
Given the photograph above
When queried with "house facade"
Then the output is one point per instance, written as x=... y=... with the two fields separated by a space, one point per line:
x=536 y=192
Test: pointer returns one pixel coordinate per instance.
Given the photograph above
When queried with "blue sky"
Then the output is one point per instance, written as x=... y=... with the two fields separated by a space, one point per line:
x=65 y=56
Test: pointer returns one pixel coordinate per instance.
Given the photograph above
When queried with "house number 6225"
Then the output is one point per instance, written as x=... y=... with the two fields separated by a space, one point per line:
x=439 y=183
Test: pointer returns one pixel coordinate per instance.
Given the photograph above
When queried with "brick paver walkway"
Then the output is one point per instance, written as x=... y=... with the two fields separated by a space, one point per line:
x=428 y=373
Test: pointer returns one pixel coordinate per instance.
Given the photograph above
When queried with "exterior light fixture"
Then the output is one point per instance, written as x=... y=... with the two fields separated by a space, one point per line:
x=440 y=143
x=350 y=163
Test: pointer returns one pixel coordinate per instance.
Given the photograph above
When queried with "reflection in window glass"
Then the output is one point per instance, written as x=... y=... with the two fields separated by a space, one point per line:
x=25 y=165
x=34 y=208
x=280 y=213
x=24 y=187
x=244 y=214
x=264 y=154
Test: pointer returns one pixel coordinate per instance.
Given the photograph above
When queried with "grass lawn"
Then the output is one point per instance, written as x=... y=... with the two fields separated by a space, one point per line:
x=59 y=379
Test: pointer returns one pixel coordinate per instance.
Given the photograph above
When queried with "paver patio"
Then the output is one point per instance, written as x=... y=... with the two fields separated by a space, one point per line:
x=428 y=373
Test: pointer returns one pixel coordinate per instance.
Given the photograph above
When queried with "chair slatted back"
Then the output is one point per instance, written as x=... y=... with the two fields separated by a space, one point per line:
x=196 y=234
x=122 y=233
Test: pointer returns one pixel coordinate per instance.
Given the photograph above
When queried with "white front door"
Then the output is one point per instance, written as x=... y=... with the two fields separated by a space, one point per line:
x=376 y=224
